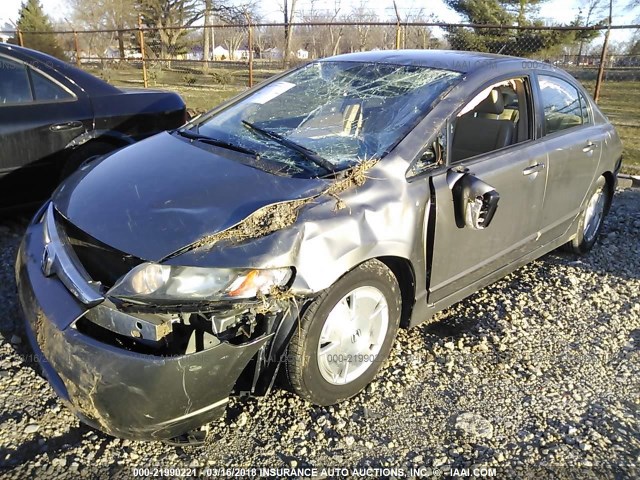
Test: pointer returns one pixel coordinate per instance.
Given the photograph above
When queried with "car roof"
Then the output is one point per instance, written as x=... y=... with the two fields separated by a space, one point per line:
x=87 y=82
x=455 y=60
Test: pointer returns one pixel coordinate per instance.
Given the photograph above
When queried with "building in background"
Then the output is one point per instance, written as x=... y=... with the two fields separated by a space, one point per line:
x=7 y=31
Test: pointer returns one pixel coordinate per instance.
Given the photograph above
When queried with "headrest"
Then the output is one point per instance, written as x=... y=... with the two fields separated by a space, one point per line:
x=493 y=104
x=510 y=99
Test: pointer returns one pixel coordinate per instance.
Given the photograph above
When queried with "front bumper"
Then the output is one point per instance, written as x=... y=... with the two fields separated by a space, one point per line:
x=123 y=393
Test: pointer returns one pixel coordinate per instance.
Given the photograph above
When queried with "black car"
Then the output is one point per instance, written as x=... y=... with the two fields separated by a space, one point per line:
x=54 y=116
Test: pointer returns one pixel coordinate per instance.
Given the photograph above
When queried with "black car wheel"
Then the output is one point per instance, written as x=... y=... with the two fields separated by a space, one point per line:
x=592 y=218
x=345 y=335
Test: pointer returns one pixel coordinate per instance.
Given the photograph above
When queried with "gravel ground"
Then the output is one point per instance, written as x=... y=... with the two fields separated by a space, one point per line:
x=537 y=374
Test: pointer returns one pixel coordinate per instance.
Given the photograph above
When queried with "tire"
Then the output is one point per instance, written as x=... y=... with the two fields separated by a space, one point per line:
x=82 y=154
x=591 y=219
x=313 y=367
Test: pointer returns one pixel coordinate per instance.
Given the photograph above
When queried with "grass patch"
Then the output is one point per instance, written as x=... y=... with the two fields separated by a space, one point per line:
x=203 y=90
x=201 y=100
x=620 y=102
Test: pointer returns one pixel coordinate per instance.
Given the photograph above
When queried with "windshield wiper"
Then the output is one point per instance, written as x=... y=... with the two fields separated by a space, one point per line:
x=198 y=137
x=308 y=154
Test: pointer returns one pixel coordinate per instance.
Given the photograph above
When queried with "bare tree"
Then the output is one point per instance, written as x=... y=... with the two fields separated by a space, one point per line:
x=356 y=37
x=104 y=15
x=593 y=9
x=418 y=37
x=335 y=33
x=362 y=13
x=170 y=17
x=289 y=13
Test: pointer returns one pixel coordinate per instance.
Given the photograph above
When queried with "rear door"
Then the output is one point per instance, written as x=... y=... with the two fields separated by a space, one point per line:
x=489 y=203
x=574 y=145
x=39 y=116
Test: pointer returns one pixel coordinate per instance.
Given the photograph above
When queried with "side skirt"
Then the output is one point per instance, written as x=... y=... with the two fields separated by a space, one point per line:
x=424 y=312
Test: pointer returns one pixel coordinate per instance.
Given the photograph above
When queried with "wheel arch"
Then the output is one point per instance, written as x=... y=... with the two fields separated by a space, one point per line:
x=107 y=136
x=85 y=147
x=400 y=267
x=610 y=178
x=403 y=270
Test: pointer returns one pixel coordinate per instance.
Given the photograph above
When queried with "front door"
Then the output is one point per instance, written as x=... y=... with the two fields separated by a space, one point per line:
x=489 y=201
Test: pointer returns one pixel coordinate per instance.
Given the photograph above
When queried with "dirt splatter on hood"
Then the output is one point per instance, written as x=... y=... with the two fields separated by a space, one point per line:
x=277 y=216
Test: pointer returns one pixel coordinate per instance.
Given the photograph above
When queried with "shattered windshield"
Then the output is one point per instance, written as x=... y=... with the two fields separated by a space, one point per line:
x=328 y=116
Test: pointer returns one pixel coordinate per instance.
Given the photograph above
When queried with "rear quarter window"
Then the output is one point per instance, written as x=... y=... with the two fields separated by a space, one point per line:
x=46 y=89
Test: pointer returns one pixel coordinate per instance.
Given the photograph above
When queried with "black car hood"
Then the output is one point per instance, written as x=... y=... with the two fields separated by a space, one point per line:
x=162 y=194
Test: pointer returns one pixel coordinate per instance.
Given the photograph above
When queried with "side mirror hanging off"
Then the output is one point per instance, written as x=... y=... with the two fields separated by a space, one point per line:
x=475 y=202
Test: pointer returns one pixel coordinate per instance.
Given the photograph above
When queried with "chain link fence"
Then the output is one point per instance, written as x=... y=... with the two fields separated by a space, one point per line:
x=207 y=64
x=241 y=55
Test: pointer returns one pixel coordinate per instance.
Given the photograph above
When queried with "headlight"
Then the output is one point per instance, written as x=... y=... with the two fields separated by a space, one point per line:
x=151 y=282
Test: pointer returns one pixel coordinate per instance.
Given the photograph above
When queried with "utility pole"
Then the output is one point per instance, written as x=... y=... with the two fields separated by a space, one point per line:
x=603 y=56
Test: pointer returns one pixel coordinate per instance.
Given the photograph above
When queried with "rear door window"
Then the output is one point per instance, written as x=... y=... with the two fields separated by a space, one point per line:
x=14 y=83
x=561 y=104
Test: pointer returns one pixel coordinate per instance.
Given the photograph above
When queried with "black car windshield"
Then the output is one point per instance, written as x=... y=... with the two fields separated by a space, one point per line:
x=328 y=116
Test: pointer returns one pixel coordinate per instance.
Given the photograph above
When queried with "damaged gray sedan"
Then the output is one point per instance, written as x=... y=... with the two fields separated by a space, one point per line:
x=290 y=232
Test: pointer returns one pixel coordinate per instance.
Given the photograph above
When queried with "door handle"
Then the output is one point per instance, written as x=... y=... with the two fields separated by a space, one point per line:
x=589 y=146
x=65 y=126
x=533 y=169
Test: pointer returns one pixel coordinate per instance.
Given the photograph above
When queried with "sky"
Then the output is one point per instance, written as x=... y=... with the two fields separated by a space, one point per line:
x=554 y=10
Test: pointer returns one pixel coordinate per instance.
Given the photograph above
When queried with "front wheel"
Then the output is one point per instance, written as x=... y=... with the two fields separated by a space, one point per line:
x=345 y=335
x=592 y=218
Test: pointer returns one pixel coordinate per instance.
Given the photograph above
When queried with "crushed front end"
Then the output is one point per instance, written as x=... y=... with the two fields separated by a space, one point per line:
x=136 y=370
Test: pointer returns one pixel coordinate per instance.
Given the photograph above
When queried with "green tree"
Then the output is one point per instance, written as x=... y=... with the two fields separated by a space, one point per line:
x=480 y=12
x=505 y=40
x=523 y=9
x=33 y=19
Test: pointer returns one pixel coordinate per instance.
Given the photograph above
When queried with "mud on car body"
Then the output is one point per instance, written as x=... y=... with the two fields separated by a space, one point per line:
x=295 y=228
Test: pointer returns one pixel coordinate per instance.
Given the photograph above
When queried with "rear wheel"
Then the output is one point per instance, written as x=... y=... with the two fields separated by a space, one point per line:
x=345 y=335
x=592 y=218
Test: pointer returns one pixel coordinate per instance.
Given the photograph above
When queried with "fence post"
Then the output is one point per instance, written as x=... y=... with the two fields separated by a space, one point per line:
x=250 y=52
x=398 y=27
x=20 y=39
x=75 y=45
x=144 y=62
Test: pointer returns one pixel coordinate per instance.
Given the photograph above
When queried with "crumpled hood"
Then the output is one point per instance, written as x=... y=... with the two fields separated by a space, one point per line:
x=162 y=194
